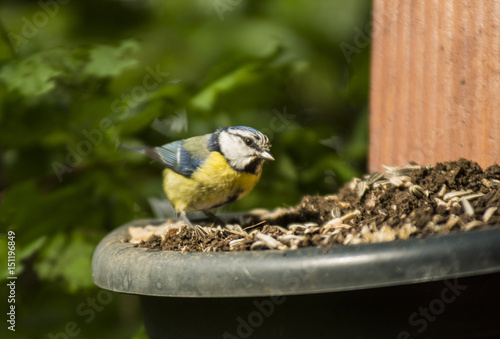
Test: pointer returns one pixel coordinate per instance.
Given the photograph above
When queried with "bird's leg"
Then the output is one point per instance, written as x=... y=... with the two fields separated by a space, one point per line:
x=186 y=220
x=197 y=229
x=214 y=218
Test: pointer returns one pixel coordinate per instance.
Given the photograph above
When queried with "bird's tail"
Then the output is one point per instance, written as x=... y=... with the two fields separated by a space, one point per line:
x=141 y=149
x=151 y=152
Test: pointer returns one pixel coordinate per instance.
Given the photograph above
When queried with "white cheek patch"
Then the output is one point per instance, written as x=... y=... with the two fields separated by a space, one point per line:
x=234 y=149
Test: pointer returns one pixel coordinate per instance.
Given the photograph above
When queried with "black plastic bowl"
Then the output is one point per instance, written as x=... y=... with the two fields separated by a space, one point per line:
x=399 y=289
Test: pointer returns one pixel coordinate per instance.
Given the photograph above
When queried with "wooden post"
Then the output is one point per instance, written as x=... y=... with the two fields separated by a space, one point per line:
x=435 y=86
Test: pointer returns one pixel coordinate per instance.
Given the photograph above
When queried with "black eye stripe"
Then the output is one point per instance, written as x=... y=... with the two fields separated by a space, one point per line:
x=257 y=139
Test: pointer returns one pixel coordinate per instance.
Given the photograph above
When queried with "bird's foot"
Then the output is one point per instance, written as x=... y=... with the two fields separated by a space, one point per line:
x=197 y=229
x=214 y=218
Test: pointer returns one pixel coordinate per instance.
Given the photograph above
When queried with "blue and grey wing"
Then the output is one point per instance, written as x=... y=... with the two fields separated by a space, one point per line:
x=175 y=156
x=187 y=162
x=167 y=155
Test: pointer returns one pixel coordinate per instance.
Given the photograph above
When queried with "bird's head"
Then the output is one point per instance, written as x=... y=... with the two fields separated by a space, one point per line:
x=244 y=148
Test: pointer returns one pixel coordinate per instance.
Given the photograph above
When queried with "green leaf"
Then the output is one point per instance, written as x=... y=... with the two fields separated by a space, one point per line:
x=45 y=71
x=33 y=76
x=107 y=61
x=67 y=257
x=143 y=119
x=251 y=85
x=205 y=100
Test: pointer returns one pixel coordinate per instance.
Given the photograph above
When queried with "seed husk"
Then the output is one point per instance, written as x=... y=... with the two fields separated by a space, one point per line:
x=417 y=191
x=270 y=241
x=361 y=188
x=468 y=209
x=473 y=224
x=455 y=194
x=489 y=213
x=442 y=191
x=396 y=181
x=374 y=177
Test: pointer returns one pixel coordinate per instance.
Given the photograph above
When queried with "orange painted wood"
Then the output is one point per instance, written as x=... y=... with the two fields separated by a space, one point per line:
x=435 y=82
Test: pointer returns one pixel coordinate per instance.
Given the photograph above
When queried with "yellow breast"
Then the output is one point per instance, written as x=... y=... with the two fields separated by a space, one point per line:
x=214 y=184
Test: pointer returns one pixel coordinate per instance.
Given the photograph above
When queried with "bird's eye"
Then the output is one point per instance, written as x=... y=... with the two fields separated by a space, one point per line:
x=249 y=142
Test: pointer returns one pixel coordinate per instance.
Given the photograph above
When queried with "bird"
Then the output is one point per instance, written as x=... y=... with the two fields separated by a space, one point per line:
x=205 y=172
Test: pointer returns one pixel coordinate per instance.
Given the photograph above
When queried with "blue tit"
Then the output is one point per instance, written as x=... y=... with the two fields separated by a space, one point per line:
x=212 y=170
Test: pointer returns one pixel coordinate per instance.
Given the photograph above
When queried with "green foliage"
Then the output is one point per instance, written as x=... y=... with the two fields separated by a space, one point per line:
x=42 y=73
x=97 y=74
x=35 y=75
x=67 y=259
x=108 y=61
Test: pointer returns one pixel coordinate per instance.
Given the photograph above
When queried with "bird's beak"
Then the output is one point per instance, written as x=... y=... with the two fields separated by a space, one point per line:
x=266 y=155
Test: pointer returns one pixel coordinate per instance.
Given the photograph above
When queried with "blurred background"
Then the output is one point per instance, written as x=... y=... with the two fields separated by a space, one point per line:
x=78 y=78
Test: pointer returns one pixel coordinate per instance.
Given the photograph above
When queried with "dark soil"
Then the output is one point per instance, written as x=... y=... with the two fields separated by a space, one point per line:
x=410 y=201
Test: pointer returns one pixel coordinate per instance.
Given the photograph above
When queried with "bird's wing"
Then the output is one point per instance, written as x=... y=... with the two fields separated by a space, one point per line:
x=183 y=156
x=167 y=155
x=192 y=154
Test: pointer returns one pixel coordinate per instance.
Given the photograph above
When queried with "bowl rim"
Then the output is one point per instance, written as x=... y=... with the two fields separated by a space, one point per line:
x=122 y=267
